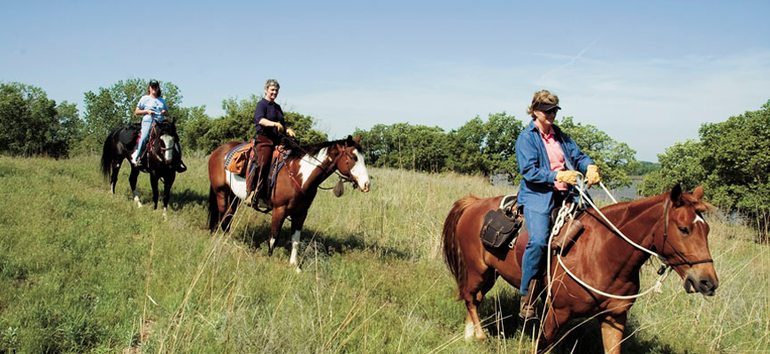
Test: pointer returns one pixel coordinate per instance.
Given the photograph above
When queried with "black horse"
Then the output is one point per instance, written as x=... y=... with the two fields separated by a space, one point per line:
x=161 y=159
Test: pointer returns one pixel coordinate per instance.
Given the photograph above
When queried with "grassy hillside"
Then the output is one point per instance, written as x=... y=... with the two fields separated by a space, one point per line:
x=82 y=270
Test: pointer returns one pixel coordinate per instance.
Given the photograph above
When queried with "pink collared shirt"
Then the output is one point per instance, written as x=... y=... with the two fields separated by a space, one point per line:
x=555 y=156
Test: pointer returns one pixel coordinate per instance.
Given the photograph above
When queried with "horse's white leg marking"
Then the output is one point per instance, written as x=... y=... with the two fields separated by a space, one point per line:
x=310 y=163
x=360 y=173
x=272 y=242
x=469 y=329
x=136 y=199
x=294 y=247
x=164 y=213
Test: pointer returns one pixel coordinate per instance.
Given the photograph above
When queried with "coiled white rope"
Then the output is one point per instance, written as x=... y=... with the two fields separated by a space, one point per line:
x=570 y=211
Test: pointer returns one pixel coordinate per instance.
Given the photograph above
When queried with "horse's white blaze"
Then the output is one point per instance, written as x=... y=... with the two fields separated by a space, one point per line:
x=359 y=171
x=294 y=247
x=168 y=140
x=310 y=163
x=699 y=219
x=237 y=184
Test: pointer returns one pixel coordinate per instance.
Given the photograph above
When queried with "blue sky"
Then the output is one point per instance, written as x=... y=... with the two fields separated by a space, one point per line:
x=647 y=73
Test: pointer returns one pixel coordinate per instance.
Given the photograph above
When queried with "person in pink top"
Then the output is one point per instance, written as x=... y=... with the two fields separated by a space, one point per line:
x=549 y=161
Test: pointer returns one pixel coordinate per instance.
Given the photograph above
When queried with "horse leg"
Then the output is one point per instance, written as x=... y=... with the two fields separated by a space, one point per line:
x=279 y=214
x=477 y=284
x=155 y=193
x=114 y=169
x=132 y=181
x=297 y=221
x=612 y=332
x=554 y=319
x=227 y=209
x=168 y=181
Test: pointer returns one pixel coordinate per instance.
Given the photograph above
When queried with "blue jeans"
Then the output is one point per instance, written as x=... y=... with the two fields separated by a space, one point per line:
x=146 y=125
x=539 y=227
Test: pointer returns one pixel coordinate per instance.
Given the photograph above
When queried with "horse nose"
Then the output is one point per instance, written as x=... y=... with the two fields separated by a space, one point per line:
x=704 y=285
x=365 y=187
x=707 y=286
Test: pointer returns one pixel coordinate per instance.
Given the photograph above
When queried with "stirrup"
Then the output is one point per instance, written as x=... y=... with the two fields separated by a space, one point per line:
x=527 y=311
x=180 y=167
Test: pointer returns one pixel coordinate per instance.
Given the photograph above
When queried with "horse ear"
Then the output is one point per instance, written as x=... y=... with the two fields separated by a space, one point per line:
x=676 y=194
x=698 y=193
x=358 y=138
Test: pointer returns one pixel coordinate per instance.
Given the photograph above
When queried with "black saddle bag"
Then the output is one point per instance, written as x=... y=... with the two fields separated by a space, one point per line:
x=500 y=226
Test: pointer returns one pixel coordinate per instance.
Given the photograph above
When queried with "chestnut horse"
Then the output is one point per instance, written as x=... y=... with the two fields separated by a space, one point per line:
x=669 y=224
x=159 y=159
x=295 y=187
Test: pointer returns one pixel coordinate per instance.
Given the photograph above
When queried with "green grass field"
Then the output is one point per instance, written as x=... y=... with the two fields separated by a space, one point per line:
x=84 y=271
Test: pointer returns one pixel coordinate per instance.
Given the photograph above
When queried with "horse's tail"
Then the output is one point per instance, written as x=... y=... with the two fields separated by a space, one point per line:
x=453 y=255
x=107 y=154
x=213 y=210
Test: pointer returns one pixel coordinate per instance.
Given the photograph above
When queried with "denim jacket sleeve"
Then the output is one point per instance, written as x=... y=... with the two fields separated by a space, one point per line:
x=529 y=154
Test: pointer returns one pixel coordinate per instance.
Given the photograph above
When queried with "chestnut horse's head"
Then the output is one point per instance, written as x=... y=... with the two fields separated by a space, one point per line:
x=684 y=240
x=350 y=162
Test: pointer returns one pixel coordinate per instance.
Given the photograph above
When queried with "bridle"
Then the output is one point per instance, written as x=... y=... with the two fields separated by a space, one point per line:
x=326 y=170
x=678 y=253
x=159 y=151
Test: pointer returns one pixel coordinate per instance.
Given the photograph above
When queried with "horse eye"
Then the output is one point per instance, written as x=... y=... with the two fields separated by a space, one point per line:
x=684 y=230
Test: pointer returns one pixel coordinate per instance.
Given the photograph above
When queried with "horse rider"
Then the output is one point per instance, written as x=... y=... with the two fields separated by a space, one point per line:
x=549 y=161
x=269 y=123
x=153 y=108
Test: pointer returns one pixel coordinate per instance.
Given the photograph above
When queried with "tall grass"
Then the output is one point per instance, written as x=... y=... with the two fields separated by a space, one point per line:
x=82 y=270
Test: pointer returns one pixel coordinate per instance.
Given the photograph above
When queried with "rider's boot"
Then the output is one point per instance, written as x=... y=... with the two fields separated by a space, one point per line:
x=251 y=192
x=180 y=166
x=527 y=306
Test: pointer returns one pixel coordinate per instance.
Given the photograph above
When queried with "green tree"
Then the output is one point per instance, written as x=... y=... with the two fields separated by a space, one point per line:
x=113 y=107
x=32 y=124
x=681 y=163
x=238 y=124
x=731 y=161
x=615 y=160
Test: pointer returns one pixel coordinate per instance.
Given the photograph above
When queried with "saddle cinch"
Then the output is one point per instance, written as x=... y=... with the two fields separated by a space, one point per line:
x=504 y=224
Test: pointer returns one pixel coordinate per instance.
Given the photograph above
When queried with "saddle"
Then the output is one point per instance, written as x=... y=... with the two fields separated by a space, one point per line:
x=503 y=225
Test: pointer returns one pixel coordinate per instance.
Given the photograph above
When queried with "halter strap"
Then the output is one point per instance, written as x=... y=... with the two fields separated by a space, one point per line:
x=678 y=253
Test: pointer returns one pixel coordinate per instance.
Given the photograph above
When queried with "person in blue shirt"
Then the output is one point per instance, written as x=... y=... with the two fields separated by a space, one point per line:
x=269 y=123
x=549 y=161
x=152 y=107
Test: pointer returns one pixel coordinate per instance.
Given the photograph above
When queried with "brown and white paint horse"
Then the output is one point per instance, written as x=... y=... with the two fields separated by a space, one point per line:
x=669 y=224
x=295 y=187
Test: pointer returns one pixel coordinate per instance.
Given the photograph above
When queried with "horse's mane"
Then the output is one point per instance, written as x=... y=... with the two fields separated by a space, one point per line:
x=313 y=149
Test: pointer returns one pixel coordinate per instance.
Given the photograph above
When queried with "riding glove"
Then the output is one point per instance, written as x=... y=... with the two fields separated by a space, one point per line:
x=592 y=174
x=567 y=176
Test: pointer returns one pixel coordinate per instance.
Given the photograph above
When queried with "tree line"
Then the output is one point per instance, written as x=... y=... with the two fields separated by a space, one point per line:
x=730 y=160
